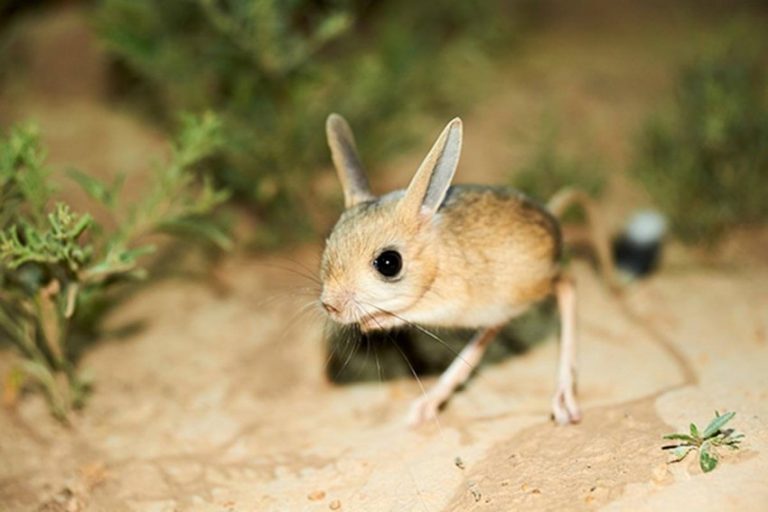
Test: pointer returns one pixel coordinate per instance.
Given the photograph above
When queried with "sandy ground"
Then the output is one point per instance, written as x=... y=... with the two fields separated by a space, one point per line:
x=220 y=401
x=221 y=404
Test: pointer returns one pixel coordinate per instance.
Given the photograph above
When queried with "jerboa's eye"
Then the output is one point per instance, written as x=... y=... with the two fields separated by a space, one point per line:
x=389 y=263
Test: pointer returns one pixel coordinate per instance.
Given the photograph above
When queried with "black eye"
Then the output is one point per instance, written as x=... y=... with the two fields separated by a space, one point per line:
x=388 y=263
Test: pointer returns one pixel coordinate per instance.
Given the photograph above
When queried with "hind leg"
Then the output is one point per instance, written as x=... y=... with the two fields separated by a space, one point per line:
x=425 y=407
x=564 y=407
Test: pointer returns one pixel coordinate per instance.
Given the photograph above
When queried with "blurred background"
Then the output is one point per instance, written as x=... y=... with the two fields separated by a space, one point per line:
x=663 y=101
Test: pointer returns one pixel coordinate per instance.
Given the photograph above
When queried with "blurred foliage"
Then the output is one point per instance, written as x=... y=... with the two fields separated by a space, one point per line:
x=9 y=7
x=275 y=70
x=549 y=170
x=58 y=267
x=705 y=160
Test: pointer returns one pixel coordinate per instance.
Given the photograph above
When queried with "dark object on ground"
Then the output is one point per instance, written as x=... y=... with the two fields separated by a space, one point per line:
x=638 y=249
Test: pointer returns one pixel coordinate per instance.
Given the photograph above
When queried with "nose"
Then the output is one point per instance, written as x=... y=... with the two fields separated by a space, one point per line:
x=329 y=308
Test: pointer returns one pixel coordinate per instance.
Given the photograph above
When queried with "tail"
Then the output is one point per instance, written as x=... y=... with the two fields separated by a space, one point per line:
x=566 y=198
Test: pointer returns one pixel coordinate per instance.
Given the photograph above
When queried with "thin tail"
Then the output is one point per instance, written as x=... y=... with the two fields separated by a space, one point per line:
x=566 y=198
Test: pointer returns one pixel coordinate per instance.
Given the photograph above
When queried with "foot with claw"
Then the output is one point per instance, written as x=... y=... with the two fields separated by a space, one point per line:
x=565 y=410
x=424 y=409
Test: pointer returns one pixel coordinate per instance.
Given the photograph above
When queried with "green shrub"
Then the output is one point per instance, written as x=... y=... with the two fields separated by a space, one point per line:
x=705 y=161
x=59 y=268
x=275 y=70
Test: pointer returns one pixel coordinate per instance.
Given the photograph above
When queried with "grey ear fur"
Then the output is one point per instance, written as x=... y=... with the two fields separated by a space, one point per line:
x=429 y=185
x=350 y=170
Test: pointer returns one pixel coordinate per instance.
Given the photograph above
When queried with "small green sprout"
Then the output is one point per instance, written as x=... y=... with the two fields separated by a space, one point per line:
x=707 y=442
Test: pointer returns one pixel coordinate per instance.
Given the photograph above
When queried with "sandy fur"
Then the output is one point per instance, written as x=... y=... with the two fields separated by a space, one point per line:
x=487 y=254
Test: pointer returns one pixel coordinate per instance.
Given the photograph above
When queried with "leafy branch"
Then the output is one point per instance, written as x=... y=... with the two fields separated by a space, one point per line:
x=58 y=266
x=706 y=442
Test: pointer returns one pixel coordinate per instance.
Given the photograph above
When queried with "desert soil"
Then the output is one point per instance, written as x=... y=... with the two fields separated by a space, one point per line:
x=219 y=402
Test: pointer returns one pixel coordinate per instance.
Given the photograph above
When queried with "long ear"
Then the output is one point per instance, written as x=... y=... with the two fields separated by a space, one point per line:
x=427 y=189
x=347 y=162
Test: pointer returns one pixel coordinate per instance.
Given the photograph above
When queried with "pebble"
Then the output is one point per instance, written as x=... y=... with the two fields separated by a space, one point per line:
x=316 y=495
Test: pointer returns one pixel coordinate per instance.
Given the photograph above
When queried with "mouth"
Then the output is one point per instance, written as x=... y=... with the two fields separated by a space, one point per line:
x=375 y=321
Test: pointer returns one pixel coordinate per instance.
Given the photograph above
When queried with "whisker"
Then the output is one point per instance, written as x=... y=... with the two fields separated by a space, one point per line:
x=405 y=357
x=355 y=344
x=300 y=264
x=378 y=364
x=292 y=321
x=415 y=375
x=418 y=490
x=329 y=326
x=423 y=330
x=352 y=351
x=305 y=273
x=285 y=296
x=367 y=354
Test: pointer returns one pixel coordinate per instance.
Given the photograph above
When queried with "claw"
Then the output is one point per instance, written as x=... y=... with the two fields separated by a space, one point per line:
x=565 y=410
x=423 y=409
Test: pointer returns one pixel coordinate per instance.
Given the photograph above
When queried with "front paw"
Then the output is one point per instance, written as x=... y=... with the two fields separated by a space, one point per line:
x=565 y=410
x=424 y=409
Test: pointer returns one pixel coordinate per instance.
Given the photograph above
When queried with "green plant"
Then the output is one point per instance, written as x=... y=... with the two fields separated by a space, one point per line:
x=705 y=161
x=275 y=70
x=706 y=442
x=59 y=268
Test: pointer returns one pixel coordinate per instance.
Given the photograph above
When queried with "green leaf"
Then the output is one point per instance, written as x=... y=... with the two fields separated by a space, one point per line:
x=118 y=261
x=102 y=193
x=133 y=255
x=197 y=227
x=681 y=437
x=200 y=136
x=23 y=175
x=333 y=26
x=707 y=458
x=716 y=424
x=694 y=430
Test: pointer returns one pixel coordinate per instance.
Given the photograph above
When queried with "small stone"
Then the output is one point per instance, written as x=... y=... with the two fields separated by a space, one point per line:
x=335 y=505
x=316 y=495
x=459 y=463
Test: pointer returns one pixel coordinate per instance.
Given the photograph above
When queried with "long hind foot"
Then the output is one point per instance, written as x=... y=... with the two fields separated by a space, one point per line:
x=424 y=409
x=565 y=410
